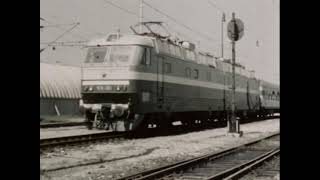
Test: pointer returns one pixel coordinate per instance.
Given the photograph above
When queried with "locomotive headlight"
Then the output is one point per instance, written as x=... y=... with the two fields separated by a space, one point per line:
x=90 y=88
x=86 y=88
x=118 y=88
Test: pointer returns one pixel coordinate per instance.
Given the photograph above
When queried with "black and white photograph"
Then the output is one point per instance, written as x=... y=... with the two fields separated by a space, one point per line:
x=150 y=89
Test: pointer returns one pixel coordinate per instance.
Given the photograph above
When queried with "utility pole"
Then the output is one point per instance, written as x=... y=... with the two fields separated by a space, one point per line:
x=141 y=15
x=222 y=21
x=235 y=32
x=233 y=94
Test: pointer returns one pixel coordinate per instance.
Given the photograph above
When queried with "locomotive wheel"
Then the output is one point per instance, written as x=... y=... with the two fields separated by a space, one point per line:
x=99 y=122
x=163 y=122
x=89 y=125
x=190 y=123
x=89 y=119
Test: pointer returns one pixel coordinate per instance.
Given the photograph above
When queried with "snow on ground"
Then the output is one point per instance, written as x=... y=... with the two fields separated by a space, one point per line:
x=110 y=160
x=66 y=131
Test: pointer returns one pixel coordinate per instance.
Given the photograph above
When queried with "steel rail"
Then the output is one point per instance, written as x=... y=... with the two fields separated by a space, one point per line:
x=66 y=140
x=66 y=124
x=76 y=139
x=183 y=165
x=253 y=165
x=238 y=169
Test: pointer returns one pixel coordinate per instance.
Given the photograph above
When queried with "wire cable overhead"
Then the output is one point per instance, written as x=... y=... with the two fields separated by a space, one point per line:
x=59 y=26
x=179 y=23
x=121 y=8
x=41 y=50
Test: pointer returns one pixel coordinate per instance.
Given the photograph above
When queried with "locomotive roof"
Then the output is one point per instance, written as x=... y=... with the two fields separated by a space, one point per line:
x=123 y=40
x=131 y=39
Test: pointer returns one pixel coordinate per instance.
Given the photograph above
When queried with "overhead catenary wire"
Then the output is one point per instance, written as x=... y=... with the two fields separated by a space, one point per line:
x=41 y=50
x=121 y=8
x=159 y=11
x=58 y=25
x=221 y=10
x=71 y=42
x=179 y=23
x=256 y=43
x=215 y=6
x=51 y=24
x=66 y=43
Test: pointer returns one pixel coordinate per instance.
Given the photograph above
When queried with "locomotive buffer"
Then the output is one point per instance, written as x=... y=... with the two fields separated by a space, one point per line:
x=235 y=32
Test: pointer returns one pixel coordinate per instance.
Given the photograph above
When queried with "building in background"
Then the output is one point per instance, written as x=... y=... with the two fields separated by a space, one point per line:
x=59 y=91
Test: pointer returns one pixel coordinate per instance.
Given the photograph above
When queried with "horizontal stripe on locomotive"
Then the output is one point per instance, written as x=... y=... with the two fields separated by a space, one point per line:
x=132 y=75
x=116 y=82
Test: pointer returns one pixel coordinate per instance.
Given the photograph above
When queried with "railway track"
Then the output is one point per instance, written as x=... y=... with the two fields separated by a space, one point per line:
x=228 y=164
x=268 y=169
x=77 y=139
x=66 y=124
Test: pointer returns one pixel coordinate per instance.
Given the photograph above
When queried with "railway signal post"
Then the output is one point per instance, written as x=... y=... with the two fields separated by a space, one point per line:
x=235 y=32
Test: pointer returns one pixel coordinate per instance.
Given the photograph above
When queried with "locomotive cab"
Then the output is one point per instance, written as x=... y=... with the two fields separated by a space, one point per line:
x=109 y=81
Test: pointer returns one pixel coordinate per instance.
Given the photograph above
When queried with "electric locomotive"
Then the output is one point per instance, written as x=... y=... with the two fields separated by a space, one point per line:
x=151 y=80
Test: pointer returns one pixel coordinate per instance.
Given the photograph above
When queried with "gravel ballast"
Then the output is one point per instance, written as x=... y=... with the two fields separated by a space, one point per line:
x=110 y=160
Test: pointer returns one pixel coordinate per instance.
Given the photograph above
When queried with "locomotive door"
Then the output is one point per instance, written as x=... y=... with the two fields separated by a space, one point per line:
x=248 y=95
x=160 y=82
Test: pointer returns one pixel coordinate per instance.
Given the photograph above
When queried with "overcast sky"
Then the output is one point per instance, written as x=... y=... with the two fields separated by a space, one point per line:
x=98 y=17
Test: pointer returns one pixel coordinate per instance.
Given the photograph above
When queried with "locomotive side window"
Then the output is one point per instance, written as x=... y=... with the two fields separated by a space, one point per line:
x=209 y=76
x=146 y=96
x=167 y=68
x=172 y=49
x=190 y=55
x=178 y=52
x=183 y=53
x=188 y=72
x=196 y=73
x=273 y=95
x=146 y=56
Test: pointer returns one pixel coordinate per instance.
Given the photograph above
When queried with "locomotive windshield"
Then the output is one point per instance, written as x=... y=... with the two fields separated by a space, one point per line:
x=114 y=55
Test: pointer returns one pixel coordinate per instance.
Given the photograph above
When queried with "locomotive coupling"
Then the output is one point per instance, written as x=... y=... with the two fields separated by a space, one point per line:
x=116 y=110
